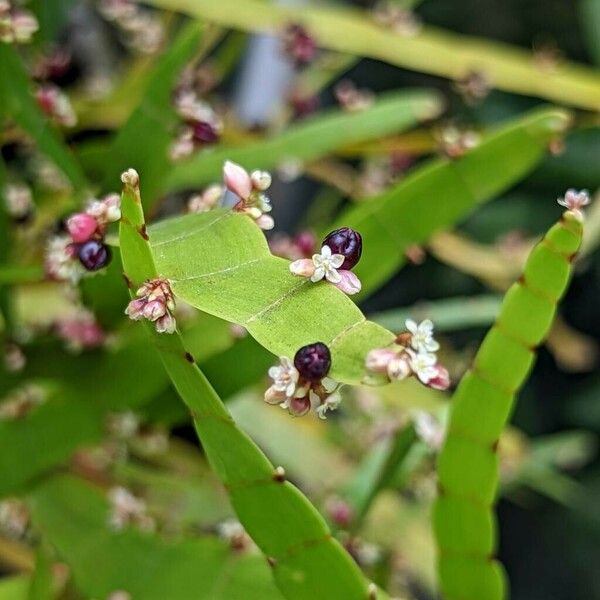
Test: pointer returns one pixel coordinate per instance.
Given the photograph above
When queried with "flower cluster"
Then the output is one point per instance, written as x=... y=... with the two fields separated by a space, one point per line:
x=155 y=302
x=302 y=245
x=340 y=251
x=351 y=98
x=250 y=189
x=202 y=126
x=18 y=201
x=207 y=200
x=126 y=509
x=299 y=45
x=412 y=354
x=142 y=30
x=21 y=402
x=302 y=384
x=575 y=201
x=69 y=257
x=455 y=142
x=397 y=18
x=233 y=532
x=81 y=331
x=16 y=25
x=14 y=518
x=56 y=105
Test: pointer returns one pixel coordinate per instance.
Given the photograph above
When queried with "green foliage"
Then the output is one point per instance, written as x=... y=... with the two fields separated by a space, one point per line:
x=220 y=263
x=468 y=464
x=144 y=564
x=313 y=138
x=444 y=191
x=306 y=559
x=430 y=51
x=17 y=99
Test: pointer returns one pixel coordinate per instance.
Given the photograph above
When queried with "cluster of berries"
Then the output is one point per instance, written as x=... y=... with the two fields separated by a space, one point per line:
x=340 y=251
x=69 y=257
x=302 y=384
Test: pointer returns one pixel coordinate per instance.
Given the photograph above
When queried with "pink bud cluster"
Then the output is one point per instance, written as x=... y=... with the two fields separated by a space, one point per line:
x=351 y=98
x=56 y=105
x=155 y=302
x=302 y=245
x=16 y=25
x=142 y=30
x=413 y=354
x=250 y=188
x=62 y=251
x=299 y=45
x=81 y=331
x=201 y=125
x=208 y=199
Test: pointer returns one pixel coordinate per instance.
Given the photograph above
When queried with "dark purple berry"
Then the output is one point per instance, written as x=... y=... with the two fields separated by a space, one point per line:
x=347 y=242
x=204 y=133
x=94 y=255
x=313 y=361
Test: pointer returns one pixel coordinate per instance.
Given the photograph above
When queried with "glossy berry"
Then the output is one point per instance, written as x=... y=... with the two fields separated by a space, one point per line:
x=94 y=255
x=204 y=133
x=313 y=361
x=347 y=242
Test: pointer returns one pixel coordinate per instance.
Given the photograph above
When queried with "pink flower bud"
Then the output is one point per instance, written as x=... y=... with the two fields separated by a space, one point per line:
x=135 y=309
x=166 y=324
x=441 y=381
x=378 y=360
x=81 y=227
x=399 y=368
x=154 y=310
x=265 y=222
x=274 y=396
x=237 y=180
x=306 y=243
x=298 y=407
x=303 y=267
x=349 y=283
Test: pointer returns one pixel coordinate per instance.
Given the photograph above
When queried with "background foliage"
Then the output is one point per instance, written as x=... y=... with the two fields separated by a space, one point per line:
x=446 y=232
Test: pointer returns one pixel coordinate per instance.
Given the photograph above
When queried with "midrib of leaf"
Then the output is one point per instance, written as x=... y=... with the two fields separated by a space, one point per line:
x=468 y=466
x=440 y=193
x=306 y=559
x=430 y=50
x=220 y=263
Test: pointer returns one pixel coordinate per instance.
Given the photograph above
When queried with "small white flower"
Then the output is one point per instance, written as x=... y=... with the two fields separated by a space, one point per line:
x=422 y=336
x=423 y=365
x=284 y=376
x=575 y=201
x=326 y=265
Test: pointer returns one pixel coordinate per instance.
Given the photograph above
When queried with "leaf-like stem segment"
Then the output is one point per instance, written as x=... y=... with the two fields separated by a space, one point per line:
x=468 y=465
x=307 y=561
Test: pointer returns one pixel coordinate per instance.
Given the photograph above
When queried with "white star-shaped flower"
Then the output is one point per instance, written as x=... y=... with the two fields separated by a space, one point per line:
x=284 y=376
x=423 y=365
x=422 y=339
x=326 y=265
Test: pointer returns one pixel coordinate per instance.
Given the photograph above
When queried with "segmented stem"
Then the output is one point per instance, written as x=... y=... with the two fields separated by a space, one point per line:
x=463 y=517
x=307 y=561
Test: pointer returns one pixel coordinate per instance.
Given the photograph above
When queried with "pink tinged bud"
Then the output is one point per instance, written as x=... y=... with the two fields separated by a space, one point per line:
x=340 y=512
x=154 y=310
x=306 y=243
x=398 y=368
x=265 y=222
x=166 y=324
x=81 y=227
x=303 y=267
x=298 y=407
x=237 y=180
x=441 y=380
x=135 y=309
x=349 y=283
x=274 y=396
x=378 y=360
